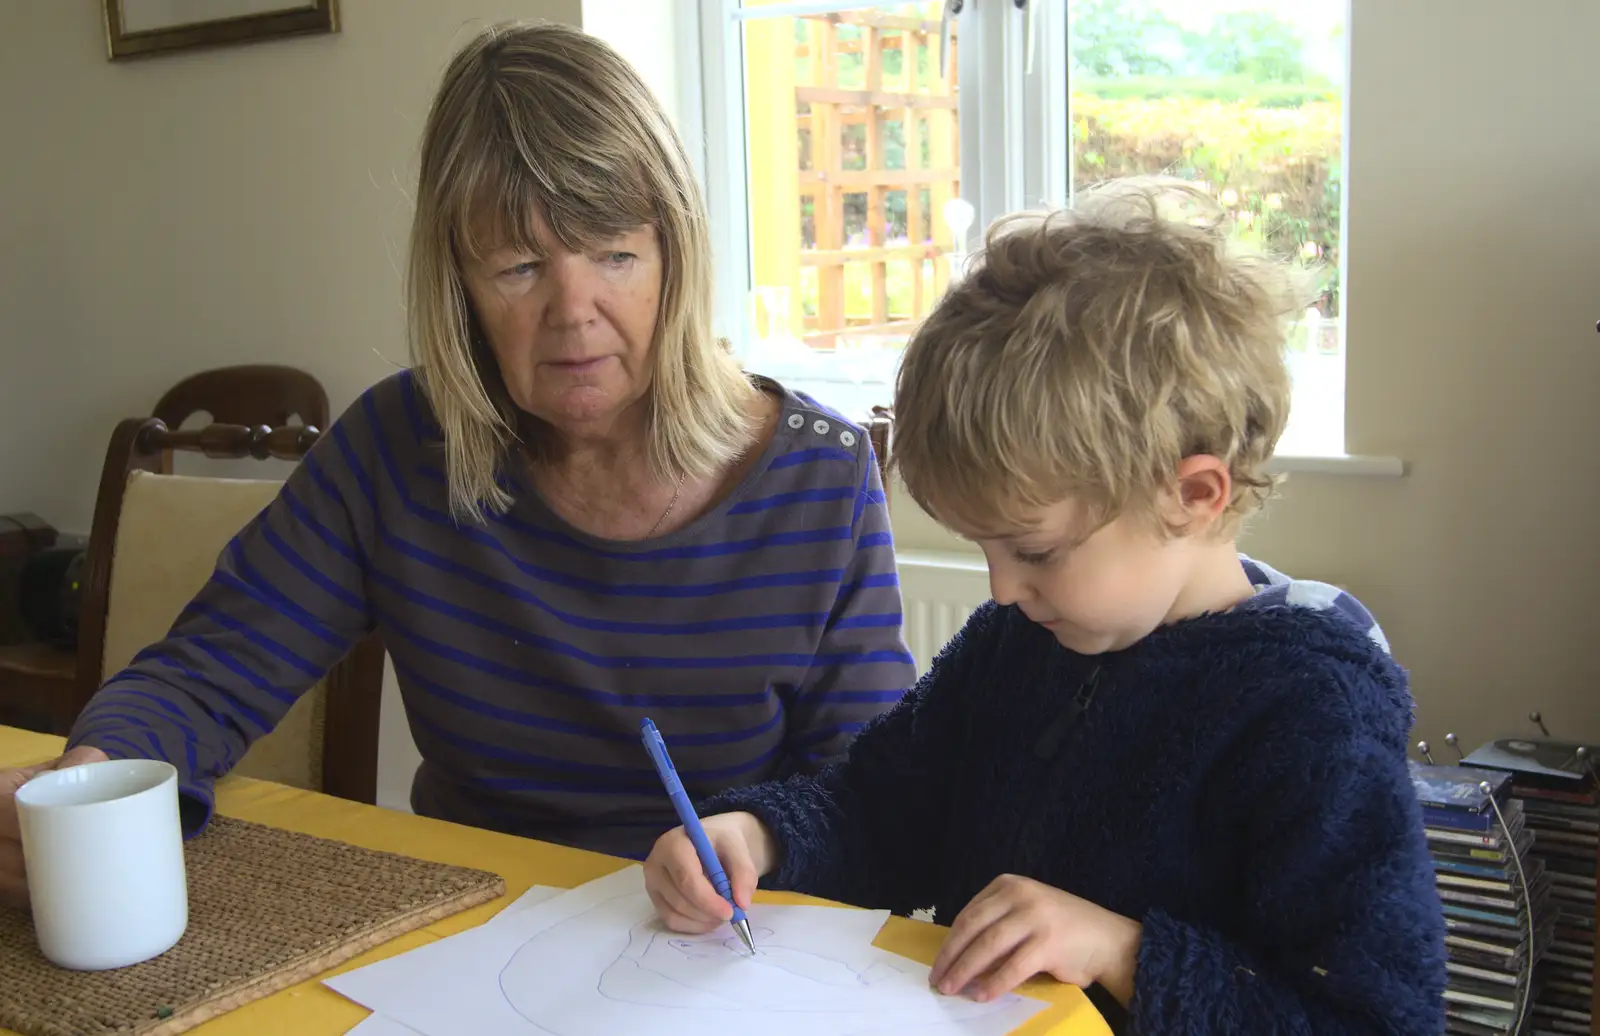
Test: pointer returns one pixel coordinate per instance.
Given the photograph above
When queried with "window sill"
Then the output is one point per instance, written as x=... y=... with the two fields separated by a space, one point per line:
x=1337 y=464
x=813 y=374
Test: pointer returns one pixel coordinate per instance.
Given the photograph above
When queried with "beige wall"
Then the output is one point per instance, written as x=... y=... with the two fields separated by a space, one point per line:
x=1473 y=291
x=199 y=209
x=250 y=203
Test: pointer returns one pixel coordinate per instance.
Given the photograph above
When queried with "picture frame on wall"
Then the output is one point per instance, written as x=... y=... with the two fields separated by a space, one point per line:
x=136 y=28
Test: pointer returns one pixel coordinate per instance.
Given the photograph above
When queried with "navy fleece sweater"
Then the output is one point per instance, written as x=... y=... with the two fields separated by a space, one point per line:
x=1236 y=782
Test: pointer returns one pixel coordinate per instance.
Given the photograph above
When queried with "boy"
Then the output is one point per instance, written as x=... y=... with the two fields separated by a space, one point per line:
x=1135 y=769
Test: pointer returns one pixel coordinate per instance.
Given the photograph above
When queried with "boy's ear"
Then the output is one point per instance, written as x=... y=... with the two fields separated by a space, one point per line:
x=1204 y=490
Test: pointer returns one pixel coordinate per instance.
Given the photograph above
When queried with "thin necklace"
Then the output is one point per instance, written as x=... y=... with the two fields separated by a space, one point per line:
x=670 y=505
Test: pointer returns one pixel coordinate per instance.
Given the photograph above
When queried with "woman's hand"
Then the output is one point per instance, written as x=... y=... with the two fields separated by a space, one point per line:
x=13 y=880
x=1018 y=927
x=677 y=883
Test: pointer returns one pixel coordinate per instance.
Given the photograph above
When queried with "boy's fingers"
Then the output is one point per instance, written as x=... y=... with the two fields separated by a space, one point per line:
x=741 y=875
x=1011 y=972
x=668 y=900
x=978 y=915
x=694 y=888
x=672 y=914
x=687 y=917
x=991 y=945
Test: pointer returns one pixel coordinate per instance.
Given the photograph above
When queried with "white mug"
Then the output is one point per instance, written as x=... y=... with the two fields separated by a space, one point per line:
x=103 y=846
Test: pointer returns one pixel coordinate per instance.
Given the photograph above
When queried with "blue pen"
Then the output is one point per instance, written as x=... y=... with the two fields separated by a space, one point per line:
x=657 y=747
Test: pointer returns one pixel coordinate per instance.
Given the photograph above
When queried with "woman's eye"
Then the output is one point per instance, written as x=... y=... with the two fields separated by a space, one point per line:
x=521 y=269
x=1034 y=558
x=619 y=258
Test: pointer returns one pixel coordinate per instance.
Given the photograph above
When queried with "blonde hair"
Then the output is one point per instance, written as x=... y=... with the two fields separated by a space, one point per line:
x=544 y=119
x=1086 y=352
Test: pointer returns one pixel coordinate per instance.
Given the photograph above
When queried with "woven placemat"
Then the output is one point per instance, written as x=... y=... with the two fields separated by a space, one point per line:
x=267 y=908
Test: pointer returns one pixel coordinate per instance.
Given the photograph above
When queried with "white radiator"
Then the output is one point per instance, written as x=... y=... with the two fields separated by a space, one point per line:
x=939 y=592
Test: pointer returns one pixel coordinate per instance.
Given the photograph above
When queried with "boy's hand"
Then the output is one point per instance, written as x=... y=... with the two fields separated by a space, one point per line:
x=1018 y=927
x=677 y=883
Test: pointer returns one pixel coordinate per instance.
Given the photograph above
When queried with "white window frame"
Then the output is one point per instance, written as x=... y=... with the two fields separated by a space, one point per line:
x=1015 y=146
x=993 y=116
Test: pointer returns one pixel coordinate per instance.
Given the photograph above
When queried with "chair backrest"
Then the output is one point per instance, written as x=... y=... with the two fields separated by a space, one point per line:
x=155 y=541
x=252 y=395
x=880 y=429
x=256 y=395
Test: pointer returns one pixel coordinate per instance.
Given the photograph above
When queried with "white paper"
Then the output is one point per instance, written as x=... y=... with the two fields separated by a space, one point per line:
x=535 y=895
x=596 y=961
x=381 y=1025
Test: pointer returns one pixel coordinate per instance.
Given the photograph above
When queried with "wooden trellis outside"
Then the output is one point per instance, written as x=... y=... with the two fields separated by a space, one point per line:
x=810 y=82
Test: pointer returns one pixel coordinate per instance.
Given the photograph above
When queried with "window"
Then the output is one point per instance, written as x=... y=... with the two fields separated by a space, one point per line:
x=855 y=149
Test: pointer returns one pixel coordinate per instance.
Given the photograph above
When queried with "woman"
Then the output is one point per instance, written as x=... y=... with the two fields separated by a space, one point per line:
x=575 y=512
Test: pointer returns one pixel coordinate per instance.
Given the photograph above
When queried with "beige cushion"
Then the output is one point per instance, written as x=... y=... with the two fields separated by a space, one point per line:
x=172 y=530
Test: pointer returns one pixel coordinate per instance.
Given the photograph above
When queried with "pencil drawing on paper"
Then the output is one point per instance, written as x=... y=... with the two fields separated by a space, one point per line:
x=613 y=966
x=667 y=969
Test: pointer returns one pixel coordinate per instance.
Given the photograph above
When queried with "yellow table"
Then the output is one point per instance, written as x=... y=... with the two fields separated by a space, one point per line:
x=311 y=1008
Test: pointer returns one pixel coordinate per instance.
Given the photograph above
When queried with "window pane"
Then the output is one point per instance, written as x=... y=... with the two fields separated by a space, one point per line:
x=1247 y=98
x=852 y=160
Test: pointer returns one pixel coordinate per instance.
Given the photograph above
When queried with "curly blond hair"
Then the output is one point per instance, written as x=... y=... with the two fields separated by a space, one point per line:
x=1086 y=352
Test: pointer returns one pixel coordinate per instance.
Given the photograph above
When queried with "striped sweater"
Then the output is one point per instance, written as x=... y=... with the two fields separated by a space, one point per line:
x=759 y=638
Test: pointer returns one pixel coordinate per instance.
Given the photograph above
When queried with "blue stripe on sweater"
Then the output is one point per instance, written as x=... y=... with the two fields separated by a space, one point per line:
x=178 y=716
x=797 y=620
x=138 y=713
x=881 y=581
x=190 y=741
x=342 y=438
x=519 y=676
x=853 y=697
x=423 y=428
x=314 y=468
x=169 y=711
x=325 y=534
x=529 y=719
x=99 y=726
x=135 y=752
x=875 y=621
x=270 y=597
x=243 y=710
x=860 y=507
x=123 y=717
x=260 y=640
x=641 y=662
x=798 y=496
x=832 y=534
x=482 y=538
x=317 y=579
x=238 y=668
x=810 y=456
x=534 y=532
x=774 y=581
x=817 y=735
x=648 y=781
x=626 y=661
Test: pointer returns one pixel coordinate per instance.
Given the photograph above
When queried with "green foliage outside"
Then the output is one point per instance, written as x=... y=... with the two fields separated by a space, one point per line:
x=1234 y=107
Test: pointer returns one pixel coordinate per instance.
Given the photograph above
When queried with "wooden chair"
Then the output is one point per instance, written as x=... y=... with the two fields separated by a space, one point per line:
x=253 y=395
x=880 y=429
x=36 y=678
x=155 y=540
